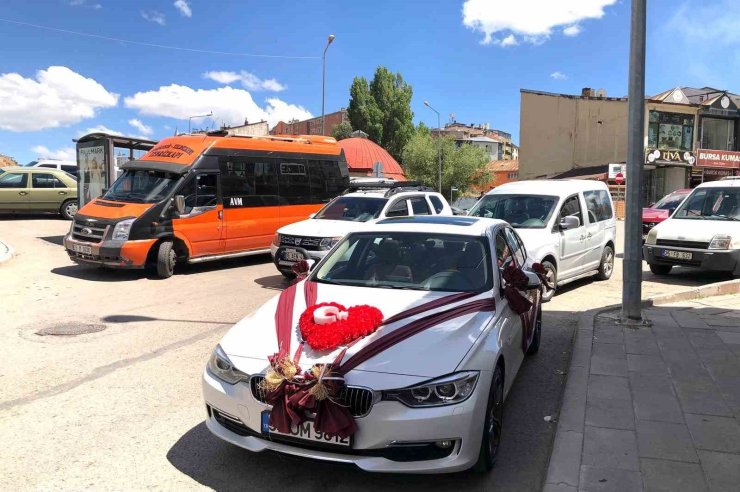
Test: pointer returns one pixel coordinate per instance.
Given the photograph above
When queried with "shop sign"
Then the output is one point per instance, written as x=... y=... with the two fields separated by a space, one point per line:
x=718 y=172
x=680 y=157
x=615 y=169
x=718 y=158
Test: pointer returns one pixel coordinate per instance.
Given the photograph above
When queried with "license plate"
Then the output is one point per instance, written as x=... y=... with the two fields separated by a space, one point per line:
x=79 y=248
x=679 y=255
x=304 y=432
x=292 y=255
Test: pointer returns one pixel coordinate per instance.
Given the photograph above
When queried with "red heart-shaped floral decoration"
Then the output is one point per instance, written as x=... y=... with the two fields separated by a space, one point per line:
x=360 y=321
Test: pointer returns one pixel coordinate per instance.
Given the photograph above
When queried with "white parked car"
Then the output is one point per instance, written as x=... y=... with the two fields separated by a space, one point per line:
x=425 y=392
x=703 y=232
x=363 y=202
x=567 y=225
x=67 y=166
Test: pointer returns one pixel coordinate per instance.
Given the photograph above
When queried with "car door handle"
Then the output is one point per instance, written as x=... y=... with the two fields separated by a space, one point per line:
x=23 y=193
x=62 y=192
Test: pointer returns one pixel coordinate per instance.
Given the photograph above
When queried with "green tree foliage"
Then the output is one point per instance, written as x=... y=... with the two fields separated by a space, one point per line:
x=462 y=167
x=342 y=130
x=382 y=109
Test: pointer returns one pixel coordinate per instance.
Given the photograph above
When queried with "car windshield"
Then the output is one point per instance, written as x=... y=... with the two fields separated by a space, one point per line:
x=711 y=204
x=352 y=208
x=521 y=211
x=464 y=202
x=142 y=186
x=670 y=202
x=405 y=260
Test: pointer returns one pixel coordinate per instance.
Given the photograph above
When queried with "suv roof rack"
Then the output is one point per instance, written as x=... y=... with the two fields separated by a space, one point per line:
x=392 y=187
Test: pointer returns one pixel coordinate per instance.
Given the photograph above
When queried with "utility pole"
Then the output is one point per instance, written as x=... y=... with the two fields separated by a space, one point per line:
x=329 y=40
x=439 y=145
x=632 y=277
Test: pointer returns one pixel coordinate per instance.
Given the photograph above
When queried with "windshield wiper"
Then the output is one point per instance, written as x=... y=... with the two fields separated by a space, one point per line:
x=389 y=286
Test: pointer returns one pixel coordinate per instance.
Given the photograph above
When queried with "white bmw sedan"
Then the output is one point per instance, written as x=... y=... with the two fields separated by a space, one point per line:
x=396 y=353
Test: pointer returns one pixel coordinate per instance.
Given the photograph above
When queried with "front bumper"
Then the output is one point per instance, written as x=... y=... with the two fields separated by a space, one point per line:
x=287 y=266
x=234 y=415
x=115 y=254
x=716 y=260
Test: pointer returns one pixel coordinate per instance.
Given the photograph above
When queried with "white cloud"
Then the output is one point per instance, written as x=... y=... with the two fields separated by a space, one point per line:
x=65 y=153
x=573 y=30
x=85 y=3
x=57 y=97
x=558 y=76
x=154 y=16
x=246 y=79
x=229 y=105
x=98 y=129
x=531 y=20
x=509 y=40
x=144 y=129
x=183 y=7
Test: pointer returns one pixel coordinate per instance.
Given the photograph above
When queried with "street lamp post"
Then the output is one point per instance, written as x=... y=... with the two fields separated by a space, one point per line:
x=452 y=188
x=329 y=40
x=190 y=118
x=439 y=145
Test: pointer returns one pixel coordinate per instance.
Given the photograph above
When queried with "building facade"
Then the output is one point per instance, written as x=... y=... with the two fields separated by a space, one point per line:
x=690 y=136
x=497 y=143
x=311 y=126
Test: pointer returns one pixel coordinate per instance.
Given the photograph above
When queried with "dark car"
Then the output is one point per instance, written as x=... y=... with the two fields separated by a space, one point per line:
x=661 y=210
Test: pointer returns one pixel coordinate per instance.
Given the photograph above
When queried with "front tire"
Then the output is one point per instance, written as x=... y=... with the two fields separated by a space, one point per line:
x=606 y=267
x=660 y=269
x=166 y=259
x=551 y=273
x=68 y=209
x=492 y=425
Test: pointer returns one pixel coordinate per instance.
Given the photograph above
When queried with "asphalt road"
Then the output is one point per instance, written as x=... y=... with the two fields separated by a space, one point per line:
x=121 y=408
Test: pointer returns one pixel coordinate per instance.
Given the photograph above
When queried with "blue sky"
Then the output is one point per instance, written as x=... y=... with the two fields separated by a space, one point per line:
x=466 y=57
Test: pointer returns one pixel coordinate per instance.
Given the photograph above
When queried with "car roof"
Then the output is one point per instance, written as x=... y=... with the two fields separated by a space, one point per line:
x=381 y=193
x=437 y=224
x=23 y=169
x=721 y=183
x=553 y=187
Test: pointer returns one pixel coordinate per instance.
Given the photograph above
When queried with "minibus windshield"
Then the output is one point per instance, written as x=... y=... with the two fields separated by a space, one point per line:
x=353 y=208
x=142 y=186
x=521 y=211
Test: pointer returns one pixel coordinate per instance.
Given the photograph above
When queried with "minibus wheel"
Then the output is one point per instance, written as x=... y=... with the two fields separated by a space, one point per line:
x=166 y=259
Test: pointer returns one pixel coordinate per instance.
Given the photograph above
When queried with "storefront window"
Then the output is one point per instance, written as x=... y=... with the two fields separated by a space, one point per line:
x=718 y=134
x=670 y=130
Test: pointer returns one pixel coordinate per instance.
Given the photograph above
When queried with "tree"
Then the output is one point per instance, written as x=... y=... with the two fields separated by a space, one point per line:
x=382 y=109
x=342 y=130
x=462 y=167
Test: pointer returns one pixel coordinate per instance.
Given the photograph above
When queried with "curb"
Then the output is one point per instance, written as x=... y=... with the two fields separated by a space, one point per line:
x=564 y=469
x=6 y=252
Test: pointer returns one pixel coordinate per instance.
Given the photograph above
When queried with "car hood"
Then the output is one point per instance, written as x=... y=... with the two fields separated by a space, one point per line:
x=696 y=229
x=322 y=228
x=104 y=209
x=654 y=214
x=430 y=353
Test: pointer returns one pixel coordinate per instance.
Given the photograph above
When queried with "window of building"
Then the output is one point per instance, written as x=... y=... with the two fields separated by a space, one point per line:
x=718 y=134
x=513 y=175
x=45 y=180
x=670 y=131
x=598 y=205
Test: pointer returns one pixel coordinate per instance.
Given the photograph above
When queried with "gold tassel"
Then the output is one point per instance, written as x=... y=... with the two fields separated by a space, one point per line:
x=319 y=389
x=283 y=370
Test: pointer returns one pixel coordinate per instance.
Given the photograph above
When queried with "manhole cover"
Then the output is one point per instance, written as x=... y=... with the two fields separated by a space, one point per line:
x=70 y=329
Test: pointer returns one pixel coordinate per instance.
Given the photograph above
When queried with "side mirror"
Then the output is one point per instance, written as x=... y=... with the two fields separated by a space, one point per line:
x=569 y=222
x=533 y=280
x=180 y=204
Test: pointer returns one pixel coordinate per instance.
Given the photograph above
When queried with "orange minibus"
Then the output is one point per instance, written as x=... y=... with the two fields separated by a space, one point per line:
x=195 y=198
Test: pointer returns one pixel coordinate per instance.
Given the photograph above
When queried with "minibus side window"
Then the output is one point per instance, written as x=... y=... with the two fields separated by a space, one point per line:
x=249 y=182
x=295 y=188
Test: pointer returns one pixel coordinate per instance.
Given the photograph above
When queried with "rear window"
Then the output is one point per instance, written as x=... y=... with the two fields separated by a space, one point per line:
x=598 y=204
x=437 y=203
x=419 y=206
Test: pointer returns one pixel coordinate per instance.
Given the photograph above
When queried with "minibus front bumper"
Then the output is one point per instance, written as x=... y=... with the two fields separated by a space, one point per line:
x=114 y=254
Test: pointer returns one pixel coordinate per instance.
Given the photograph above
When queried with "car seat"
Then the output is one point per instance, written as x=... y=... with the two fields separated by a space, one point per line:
x=387 y=268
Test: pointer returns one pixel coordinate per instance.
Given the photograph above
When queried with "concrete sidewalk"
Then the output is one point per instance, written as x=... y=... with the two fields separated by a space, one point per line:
x=6 y=252
x=653 y=408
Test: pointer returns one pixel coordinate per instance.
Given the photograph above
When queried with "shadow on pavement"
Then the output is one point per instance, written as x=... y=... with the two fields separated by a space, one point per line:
x=58 y=240
x=273 y=282
x=210 y=266
x=27 y=216
x=98 y=274
x=135 y=318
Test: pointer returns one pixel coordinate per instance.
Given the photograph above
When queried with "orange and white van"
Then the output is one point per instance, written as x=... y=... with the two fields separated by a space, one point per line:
x=195 y=198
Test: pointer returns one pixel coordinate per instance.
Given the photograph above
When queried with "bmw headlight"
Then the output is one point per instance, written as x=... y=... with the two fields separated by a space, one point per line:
x=329 y=242
x=447 y=390
x=220 y=366
x=122 y=230
x=652 y=236
x=720 y=241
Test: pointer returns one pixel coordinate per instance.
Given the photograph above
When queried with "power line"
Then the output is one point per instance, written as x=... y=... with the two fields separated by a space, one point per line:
x=152 y=45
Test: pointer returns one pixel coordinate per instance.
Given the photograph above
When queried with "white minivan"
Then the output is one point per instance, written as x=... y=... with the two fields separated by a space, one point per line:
x=567 y=225
x=703 y=232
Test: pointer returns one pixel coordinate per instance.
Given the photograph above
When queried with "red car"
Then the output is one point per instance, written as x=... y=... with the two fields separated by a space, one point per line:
x=660 y=211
